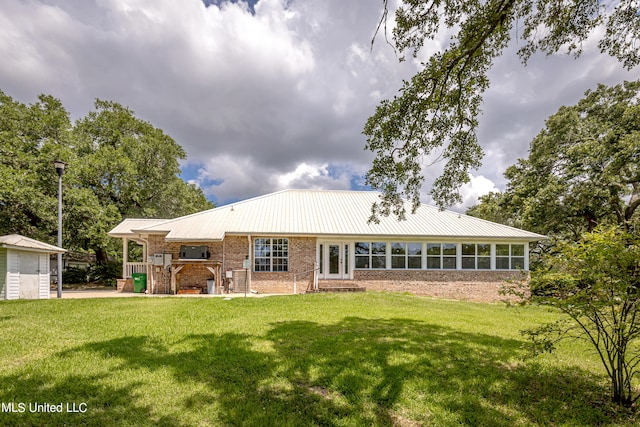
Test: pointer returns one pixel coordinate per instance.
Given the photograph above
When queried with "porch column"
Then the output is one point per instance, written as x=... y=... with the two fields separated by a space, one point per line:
x=125 y=256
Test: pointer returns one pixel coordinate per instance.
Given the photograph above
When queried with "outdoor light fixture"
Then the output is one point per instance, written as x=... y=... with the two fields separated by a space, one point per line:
x=59 y=165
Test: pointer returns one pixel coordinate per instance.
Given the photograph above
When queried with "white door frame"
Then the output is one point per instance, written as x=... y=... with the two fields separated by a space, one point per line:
x=344 y=262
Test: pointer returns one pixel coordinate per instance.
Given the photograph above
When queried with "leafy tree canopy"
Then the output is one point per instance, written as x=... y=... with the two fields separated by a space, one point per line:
x=118 y=166
x=583 y=169
x=438 y=108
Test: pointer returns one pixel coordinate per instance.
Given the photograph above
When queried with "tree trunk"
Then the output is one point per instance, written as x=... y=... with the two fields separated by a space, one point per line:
x=101 y=256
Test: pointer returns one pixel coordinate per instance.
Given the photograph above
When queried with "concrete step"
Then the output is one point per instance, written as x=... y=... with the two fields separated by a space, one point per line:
x=337 y=286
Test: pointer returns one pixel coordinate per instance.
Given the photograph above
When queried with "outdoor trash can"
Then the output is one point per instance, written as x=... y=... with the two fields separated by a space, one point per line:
x=139 y=282
x=211 y=286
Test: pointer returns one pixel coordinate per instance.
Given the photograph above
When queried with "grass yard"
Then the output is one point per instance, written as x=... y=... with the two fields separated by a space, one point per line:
x=332 y=360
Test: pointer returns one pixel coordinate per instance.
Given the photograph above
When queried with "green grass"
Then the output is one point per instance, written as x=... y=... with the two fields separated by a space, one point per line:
x=331 y=360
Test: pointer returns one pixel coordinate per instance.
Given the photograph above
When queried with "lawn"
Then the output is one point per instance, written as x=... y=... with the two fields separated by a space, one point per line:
x=332 y=360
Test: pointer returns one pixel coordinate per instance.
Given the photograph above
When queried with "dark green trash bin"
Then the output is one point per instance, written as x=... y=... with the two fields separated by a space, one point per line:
x=139 y=282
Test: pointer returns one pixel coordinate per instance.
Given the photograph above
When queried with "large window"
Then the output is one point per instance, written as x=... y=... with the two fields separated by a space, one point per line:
x=476 y=256
x=510 y=257
x=441 y=256
x=371 y=255
x=406 y=255
x=271 y=254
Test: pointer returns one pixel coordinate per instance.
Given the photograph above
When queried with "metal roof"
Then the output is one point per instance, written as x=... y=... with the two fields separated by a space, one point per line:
x=124 y=228
x=16 y=241
x=322 y=213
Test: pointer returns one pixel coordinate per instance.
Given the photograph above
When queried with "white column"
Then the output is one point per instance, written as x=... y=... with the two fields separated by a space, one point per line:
x=125 y=256
x=388 y=256
x=493 y=256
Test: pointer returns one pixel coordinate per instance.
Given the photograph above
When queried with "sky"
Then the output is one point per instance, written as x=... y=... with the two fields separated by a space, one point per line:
x=267 y=95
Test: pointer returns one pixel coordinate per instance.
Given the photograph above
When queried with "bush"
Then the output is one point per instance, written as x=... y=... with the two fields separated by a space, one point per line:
x=105 y=273
x=75 y=275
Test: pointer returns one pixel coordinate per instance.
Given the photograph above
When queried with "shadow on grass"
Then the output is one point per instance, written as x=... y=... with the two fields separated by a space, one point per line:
x=105 y=405
x=354 y=372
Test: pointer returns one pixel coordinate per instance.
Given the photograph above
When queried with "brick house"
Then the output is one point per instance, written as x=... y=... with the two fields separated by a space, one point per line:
x=299 y=240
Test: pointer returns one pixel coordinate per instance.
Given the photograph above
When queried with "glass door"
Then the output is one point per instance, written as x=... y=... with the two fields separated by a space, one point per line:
x=334 y=260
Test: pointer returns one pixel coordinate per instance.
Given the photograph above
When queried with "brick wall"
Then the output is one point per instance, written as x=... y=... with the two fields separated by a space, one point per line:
x=232 y=252
x=455 y=284
x=191 y=276
x=236 y=249
x=302 y=255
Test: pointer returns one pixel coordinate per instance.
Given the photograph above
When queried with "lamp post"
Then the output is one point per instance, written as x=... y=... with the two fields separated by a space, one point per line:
x=59 y=164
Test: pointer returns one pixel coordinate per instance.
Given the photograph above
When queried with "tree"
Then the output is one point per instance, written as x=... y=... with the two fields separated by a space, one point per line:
x=439 y=106
x=118 y=166
x=583 y=168
x=494 y=207
x=31 y=137
x=596 y=284
x=131 y=169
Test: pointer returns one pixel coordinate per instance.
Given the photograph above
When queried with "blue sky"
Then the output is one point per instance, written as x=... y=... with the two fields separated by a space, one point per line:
x=267 y=94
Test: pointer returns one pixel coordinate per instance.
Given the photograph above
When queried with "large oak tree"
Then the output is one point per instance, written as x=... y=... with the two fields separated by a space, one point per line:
x=437 y=110
x=583 y=169
x=118 y=166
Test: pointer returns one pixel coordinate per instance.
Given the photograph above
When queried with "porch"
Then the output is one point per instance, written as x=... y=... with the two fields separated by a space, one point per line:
x=129 y=268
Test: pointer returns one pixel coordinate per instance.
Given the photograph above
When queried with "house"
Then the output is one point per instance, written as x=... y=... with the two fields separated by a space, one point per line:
x=294 y=240
x=24 y=267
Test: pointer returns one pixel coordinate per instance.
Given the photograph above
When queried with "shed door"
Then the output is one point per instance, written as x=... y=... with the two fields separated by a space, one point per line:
x=29 y=275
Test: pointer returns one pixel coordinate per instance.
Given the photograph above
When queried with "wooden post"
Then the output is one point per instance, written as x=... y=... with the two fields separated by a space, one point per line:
x=174 y=273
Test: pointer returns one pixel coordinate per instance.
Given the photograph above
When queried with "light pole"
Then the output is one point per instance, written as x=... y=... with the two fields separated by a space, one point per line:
x=59 y=164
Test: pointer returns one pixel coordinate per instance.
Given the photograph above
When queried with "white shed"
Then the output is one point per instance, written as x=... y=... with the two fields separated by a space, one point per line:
x=24 y=267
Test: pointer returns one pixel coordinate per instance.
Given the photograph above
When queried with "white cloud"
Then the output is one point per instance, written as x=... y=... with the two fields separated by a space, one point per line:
x=264 y=100
x=478 y=186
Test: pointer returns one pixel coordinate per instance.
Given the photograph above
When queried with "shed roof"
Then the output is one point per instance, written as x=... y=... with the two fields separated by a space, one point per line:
x=16 y=241
x=322 y=213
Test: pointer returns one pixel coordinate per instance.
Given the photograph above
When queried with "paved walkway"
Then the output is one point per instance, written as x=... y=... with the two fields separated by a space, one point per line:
x=112 y=293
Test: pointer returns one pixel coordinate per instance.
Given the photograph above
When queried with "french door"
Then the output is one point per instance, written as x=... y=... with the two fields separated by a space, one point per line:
x=334 y=260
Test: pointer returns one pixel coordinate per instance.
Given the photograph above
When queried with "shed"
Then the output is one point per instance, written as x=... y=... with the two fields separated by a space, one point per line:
x=24 y=267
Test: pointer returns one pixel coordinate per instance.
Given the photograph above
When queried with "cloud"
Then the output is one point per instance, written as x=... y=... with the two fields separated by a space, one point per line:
x=478 y=186
x=267 y=93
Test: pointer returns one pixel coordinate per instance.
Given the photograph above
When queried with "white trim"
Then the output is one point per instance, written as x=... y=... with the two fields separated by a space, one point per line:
x=341 y=259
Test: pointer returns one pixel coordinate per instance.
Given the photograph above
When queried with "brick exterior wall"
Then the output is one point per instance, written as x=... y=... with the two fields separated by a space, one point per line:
x=462 y=285
x=231 y=253
x=469 y=285
x=302 y=255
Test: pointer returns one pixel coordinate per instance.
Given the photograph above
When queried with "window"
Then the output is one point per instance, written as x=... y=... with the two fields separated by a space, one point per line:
x=476 y=256
x=509 y=257
x=441 y=256
x=371 y=255
x=271 y=254
x=406 y=255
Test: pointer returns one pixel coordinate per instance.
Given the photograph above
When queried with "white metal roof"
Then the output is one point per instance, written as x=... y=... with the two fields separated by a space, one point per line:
x=321 y=213
x=16 y=241
x=124 y=228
